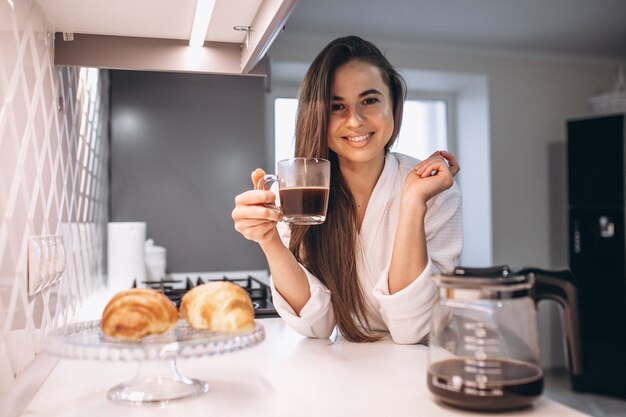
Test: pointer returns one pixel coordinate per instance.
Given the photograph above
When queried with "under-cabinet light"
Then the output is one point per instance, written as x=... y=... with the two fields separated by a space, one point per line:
x=204 y=10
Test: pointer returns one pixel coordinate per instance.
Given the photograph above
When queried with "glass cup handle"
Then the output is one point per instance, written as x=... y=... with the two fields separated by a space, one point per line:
x=262 y=185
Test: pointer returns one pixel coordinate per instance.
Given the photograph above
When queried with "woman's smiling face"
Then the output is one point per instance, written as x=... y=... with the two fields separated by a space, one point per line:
x=361 y=118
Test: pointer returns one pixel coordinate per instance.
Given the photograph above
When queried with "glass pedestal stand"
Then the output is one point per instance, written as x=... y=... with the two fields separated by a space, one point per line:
x=157 y=380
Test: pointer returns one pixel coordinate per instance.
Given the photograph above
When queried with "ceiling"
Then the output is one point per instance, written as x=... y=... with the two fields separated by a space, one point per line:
x=574 y=27
x=577 y=27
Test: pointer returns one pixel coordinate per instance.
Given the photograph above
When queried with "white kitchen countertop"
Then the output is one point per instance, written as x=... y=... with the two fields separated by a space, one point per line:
x=286 y=375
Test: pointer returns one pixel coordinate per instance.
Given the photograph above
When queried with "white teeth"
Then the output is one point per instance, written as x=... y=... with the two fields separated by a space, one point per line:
x=358 y=138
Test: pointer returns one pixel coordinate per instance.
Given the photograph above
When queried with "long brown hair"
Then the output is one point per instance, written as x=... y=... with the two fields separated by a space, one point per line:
x=328 y=250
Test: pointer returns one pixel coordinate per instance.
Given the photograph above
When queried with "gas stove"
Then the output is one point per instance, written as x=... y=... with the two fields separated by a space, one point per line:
x=256 y=283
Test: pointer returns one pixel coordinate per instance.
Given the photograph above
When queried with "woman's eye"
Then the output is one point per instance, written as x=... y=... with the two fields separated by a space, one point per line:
x=336 y=107
x=371 y=100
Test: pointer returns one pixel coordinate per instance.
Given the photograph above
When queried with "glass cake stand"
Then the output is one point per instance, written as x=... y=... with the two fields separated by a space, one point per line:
x=157 y=380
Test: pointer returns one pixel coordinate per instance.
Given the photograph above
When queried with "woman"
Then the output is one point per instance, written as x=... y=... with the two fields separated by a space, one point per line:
x=392 y=221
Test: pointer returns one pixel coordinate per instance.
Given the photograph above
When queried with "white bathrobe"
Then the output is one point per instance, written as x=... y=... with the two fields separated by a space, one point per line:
x=405 y=314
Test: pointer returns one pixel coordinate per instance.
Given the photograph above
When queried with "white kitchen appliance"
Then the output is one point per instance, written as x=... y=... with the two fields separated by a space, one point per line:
x=125 y=250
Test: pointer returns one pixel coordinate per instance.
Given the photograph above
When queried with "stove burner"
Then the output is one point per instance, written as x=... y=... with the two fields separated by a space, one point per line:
x=259 y=292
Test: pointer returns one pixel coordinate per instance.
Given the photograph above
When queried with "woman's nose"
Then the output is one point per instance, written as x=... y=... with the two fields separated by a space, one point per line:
x=355 y=118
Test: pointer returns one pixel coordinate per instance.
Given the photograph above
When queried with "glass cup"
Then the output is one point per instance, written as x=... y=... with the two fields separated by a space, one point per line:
x=303 y=186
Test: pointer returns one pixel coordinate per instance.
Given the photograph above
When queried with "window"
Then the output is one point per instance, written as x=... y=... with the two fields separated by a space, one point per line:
x=284 y=128
x=424 y=128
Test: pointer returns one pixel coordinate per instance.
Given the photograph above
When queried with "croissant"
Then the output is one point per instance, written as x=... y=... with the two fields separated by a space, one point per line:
x=134 y=313
x=218 y=306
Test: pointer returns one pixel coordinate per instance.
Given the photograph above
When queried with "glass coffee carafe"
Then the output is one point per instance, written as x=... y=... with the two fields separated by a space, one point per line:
x=483 y=346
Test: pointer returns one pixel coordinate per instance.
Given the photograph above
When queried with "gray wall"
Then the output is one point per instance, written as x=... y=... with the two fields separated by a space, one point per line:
x=183 y=145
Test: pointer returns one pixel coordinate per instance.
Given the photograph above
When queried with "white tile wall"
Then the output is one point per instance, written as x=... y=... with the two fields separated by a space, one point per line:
x=53 y=180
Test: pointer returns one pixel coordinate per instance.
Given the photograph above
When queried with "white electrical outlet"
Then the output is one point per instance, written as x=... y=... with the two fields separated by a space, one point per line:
x=46 y=262
x=59 y=265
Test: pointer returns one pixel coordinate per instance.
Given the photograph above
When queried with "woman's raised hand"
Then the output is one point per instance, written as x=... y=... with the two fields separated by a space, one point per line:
x=253 y=218
x=431 y=176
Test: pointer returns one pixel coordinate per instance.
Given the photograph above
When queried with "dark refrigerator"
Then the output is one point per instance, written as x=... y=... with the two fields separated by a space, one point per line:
x=597 y=252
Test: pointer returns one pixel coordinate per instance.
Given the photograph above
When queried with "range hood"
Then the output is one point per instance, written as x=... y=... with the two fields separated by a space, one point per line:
x=153 y=35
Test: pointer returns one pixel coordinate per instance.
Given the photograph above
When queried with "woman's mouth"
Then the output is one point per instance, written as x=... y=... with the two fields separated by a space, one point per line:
x=359 y=138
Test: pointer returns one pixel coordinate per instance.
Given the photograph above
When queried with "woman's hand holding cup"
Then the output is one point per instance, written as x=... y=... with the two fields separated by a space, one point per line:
x=253 y=216
x=303 y=188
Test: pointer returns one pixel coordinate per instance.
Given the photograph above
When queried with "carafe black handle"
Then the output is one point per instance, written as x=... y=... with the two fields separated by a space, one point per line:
x=560 y=286
x=501 y=271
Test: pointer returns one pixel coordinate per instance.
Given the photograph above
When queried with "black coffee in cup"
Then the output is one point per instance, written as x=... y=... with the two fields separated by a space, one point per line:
x=489 y=385
x=300 y=204
x=303 y=185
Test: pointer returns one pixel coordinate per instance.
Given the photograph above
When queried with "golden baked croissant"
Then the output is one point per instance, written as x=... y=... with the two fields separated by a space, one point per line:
x=134 y=313
x=218 y=306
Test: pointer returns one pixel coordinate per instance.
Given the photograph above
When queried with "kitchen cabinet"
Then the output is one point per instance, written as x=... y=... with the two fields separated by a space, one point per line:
x=153 y=35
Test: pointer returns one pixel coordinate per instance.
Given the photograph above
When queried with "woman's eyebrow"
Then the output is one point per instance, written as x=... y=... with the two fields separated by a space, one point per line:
x=370 y=91
x=363 y=94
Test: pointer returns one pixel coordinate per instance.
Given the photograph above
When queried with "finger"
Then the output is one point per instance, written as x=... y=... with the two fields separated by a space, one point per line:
x=452 y=162
x=438 y=177
x=255 y=197
x=256 y=176
x=422 y=167
x=242 y=223
x=255 y=212
x=434 y=167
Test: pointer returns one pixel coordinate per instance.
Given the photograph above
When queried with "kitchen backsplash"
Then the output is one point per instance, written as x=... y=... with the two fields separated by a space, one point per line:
x=53 y=180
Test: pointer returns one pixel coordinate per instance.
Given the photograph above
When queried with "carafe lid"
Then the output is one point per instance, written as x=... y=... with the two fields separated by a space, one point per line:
x=484 y=283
